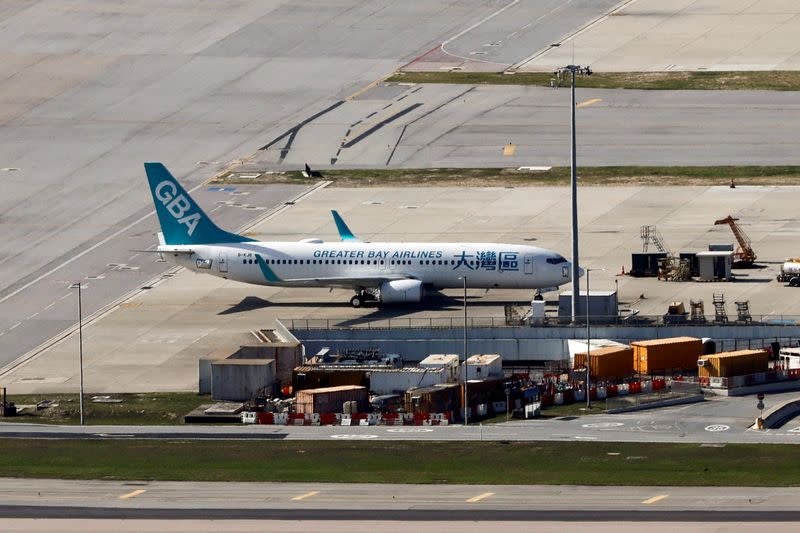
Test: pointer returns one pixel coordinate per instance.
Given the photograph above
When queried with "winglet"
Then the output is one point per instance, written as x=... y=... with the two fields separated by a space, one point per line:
x=344 y=231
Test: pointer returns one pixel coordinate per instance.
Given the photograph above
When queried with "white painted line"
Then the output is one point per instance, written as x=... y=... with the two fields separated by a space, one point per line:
x=655 y=499
x=14 y=326
x=716 y=428
x=306 y=495
x=133 y=256
x=353 y=436
x=33 y=315
x=485 y=19
x=480 y=497
x=66 y=296
x=86 y=251
x=49 y=306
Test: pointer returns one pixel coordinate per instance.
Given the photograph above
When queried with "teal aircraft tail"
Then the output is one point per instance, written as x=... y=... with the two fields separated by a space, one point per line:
x=182 y=221
x=344 y=231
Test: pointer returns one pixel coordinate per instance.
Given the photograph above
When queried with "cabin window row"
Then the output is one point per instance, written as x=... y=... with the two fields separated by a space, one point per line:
x=352 y=262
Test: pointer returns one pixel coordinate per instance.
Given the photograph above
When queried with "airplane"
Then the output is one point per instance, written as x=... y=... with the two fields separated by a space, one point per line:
x=381 y=272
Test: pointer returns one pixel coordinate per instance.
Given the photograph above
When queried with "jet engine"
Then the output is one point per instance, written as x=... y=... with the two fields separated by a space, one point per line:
x=401 y=290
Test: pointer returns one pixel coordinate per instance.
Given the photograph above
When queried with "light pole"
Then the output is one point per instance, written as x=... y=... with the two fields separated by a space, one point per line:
x=466 y=397
x=80 y=345
x=588 y=339
x=574 y=70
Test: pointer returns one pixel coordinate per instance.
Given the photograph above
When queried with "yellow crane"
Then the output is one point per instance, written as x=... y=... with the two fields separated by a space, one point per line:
x=744 y=253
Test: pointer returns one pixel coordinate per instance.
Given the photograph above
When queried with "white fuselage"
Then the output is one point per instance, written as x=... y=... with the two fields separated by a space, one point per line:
x=315 y=263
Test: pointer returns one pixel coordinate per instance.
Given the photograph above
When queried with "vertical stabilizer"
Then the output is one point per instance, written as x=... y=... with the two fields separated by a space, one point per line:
x=182 y=221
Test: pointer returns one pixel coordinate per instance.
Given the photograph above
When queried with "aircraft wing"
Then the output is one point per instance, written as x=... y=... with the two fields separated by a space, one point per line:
x=366 y=282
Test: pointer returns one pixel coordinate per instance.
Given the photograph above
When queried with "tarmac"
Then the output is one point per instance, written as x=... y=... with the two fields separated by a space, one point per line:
x=152 y=340
x=681 y=35
x=399 y=125
x=89 y=91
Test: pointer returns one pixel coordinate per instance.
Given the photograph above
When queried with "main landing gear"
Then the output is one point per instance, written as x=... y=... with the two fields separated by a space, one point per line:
x=361 y=298
x=537 y=296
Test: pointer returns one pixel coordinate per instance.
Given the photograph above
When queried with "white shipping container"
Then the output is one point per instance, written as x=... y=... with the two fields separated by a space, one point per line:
x=399 y=380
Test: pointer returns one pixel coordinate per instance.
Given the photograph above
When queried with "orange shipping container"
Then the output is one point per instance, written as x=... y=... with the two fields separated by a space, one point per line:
x=605 y=363
x=676 y=353
x=727 y=364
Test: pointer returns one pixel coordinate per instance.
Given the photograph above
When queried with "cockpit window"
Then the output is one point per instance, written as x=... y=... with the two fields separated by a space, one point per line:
x=557 y=260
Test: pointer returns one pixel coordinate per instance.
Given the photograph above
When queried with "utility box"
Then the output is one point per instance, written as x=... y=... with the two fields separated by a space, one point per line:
x=714 y=266
x=676 y=353
x=728 y=364
x=603 y=305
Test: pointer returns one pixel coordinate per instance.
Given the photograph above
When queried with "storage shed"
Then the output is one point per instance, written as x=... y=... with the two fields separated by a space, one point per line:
x=450 y=361
x=728 y=364
x=674 y=353
x=437 y=399
x=484 y=366
x=713 y=266
x=240 y=379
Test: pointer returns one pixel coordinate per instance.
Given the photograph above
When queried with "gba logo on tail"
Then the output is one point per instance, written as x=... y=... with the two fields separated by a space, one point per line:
x=177 y=205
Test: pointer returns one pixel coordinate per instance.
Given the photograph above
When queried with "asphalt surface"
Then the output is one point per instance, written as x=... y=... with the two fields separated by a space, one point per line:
x=436 y=125
x=361 y=501
x=714 y=422
x=112 y=266
x=89 y=91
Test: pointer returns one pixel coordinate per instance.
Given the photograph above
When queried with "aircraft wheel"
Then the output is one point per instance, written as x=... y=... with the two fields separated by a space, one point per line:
x=356 y=301
x=538 y=297
x=794 y=282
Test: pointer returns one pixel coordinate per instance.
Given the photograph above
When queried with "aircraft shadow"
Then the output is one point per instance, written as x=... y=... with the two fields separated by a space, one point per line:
x=432 y=302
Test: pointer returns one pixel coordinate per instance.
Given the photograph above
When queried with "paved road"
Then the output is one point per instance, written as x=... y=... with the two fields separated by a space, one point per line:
x=713 y=422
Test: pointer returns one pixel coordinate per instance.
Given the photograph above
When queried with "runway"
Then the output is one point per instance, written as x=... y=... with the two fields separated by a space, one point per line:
x=362 y=503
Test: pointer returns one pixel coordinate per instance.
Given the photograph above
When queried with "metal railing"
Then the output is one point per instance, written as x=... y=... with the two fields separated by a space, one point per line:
x=674 y=390
x=499 y=321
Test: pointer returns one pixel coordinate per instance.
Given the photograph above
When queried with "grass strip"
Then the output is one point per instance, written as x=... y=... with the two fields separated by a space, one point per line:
x=499 y=177
x=662 y=81
x=593 y=463
x=155 y=408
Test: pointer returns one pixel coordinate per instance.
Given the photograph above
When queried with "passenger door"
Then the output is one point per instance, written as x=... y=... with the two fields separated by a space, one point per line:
x=528 y=265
